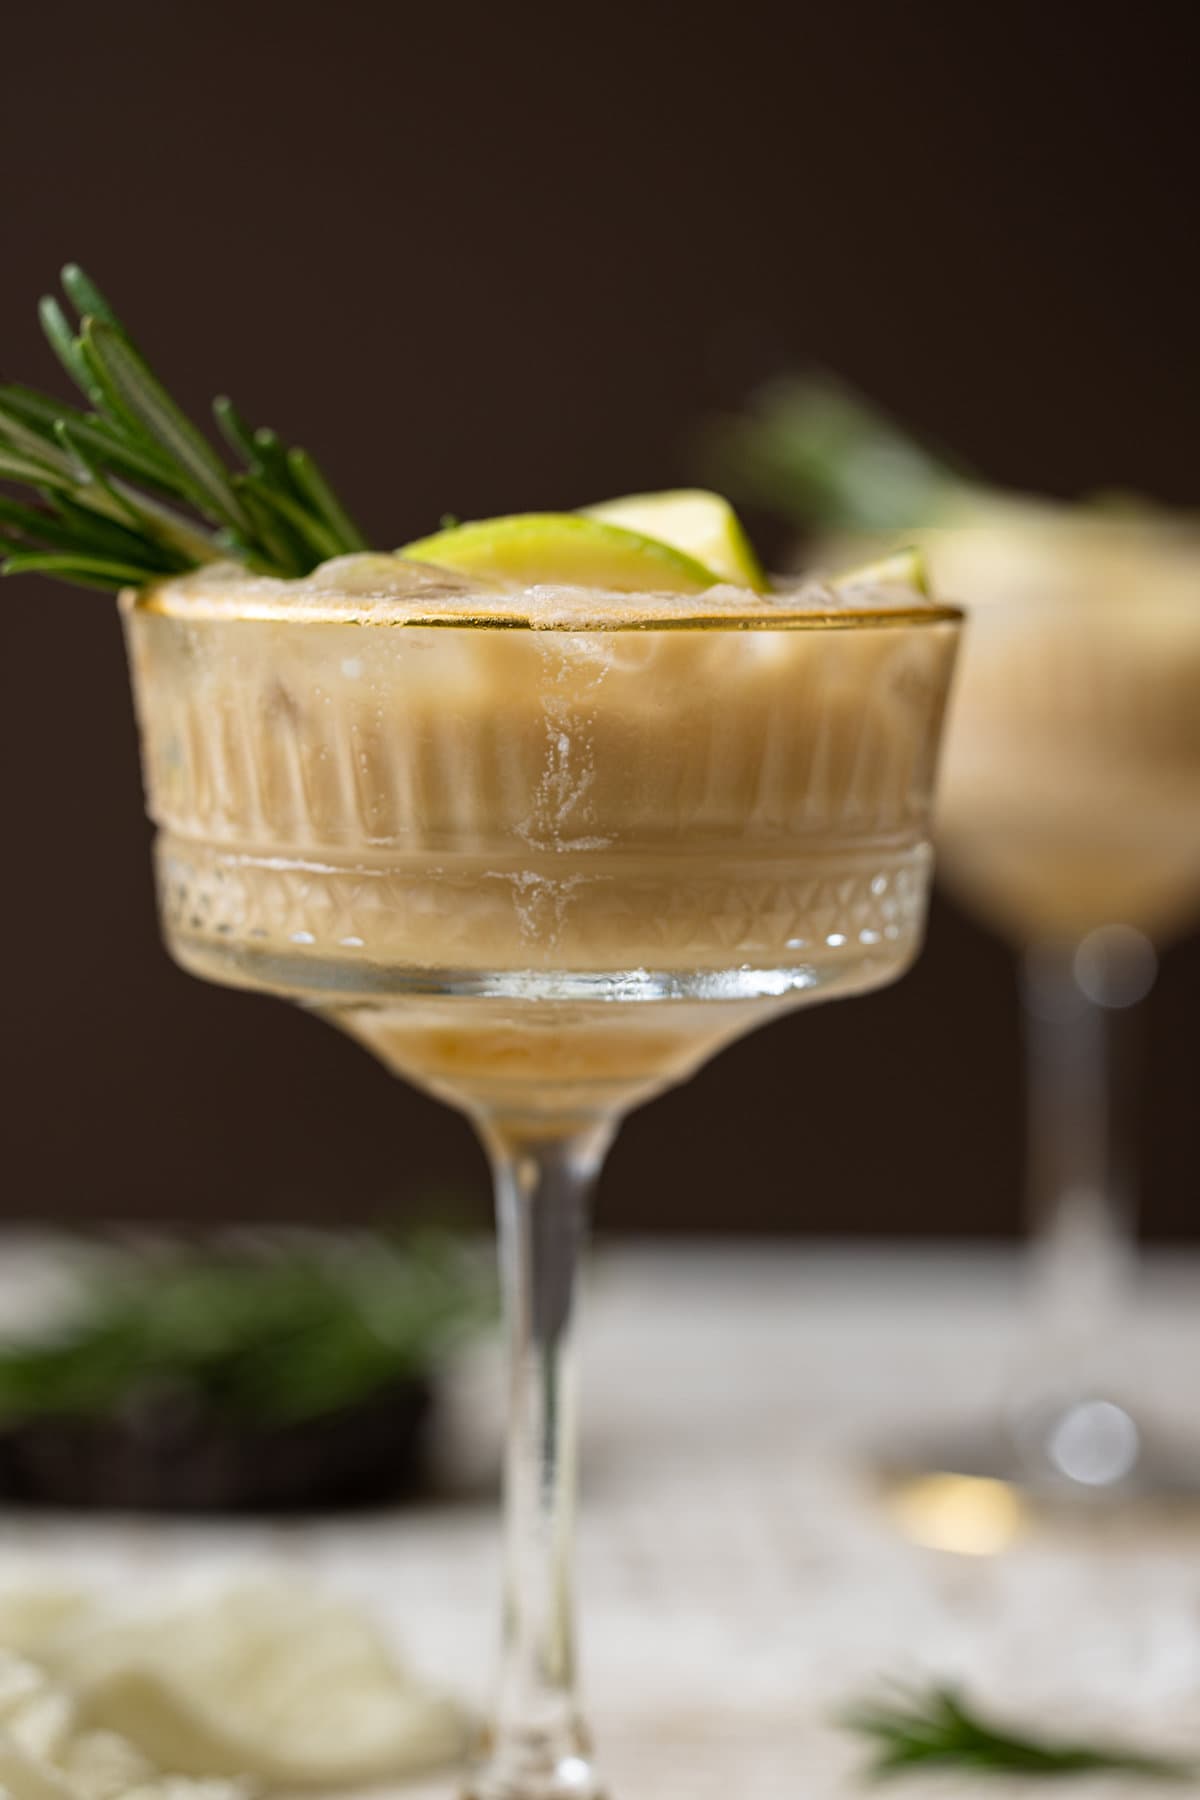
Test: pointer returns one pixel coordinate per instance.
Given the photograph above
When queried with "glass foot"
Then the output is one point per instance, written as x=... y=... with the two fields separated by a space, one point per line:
x=523 y=1773
x=1092 y=1451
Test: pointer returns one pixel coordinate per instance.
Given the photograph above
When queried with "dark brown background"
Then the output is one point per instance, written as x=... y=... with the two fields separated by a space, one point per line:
x=489 y=257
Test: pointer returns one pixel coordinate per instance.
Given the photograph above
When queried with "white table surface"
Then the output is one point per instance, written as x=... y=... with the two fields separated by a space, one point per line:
x=740 y=1578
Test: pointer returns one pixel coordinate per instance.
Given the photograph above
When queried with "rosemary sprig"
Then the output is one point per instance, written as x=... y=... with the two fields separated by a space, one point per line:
x=282 y=1329
x=128 y=490
x=938 y=1729
x=813 y=451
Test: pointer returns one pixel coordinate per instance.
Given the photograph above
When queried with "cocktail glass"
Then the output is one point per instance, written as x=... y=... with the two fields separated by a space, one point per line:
x=544 y=873
x=1069 y=820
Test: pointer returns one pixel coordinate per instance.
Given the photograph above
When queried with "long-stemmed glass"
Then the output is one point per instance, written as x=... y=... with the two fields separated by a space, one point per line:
x=544 y=873
x=1070 y=820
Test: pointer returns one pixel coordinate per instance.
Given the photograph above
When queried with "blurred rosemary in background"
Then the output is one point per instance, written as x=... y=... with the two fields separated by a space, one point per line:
x=913 y=1732
x=267 y=1330
x=811 y=450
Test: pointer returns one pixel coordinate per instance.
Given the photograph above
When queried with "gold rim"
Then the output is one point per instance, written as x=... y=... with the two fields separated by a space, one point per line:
x=158 y=600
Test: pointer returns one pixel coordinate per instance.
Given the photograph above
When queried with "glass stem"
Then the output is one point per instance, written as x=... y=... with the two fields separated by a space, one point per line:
x=538 y=1745
x=1082 y=1032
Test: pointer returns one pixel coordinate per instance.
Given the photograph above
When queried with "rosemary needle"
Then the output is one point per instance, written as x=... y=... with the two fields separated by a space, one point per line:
x=127 y=490
x=913 y=1730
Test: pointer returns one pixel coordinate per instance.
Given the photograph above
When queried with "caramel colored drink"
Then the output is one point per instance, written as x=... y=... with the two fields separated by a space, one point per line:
x=464 y=821
x=542 y=809
x=1069 y=820
x=1070 y=795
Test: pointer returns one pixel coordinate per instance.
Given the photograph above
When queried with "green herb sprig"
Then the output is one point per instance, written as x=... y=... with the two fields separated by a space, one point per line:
x=274 y=1332
x=918 y=1731
x=813 y=451
x=129 y=490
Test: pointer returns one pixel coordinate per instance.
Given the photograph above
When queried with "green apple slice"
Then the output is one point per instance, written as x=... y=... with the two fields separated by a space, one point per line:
x=903 y=568
x=692 y=520
x=567 y=549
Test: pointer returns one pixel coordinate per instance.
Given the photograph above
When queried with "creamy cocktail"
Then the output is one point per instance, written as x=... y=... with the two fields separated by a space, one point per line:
x=1068 y=819
x=542 y=809
x=543 y=850
x=382 y=790
x=1071 y=790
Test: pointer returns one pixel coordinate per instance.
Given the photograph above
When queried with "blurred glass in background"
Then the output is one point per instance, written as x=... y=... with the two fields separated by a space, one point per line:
x=1069 y=822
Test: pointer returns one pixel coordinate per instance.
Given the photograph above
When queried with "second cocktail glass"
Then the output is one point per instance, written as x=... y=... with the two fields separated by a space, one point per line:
x=1069 y=819
x=543 y=855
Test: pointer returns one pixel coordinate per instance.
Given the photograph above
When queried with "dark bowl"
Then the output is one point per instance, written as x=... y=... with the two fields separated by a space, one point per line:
x=167 y=1453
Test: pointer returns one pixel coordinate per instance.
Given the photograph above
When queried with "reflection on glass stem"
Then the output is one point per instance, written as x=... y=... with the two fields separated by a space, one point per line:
x=1081 y=1016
